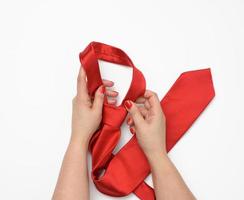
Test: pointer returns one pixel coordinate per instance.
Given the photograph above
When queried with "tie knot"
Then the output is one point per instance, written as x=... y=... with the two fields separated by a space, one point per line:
x=114 y=116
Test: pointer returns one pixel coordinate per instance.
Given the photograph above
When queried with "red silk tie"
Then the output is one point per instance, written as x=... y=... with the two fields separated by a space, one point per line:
x=120 y=174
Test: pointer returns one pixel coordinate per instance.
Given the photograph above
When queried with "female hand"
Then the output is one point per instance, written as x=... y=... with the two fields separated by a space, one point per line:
x=87 y=110
x=147 y=120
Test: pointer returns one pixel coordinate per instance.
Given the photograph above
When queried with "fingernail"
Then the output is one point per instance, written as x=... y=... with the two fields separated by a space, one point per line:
x=127 y=104
x=102 y=89
x=132 y=130
x=128 y=120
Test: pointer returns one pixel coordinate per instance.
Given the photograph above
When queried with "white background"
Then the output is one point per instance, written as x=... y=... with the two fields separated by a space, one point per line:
x=39 y=46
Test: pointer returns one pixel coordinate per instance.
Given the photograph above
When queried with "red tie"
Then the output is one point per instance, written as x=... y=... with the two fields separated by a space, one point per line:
x=120 y=174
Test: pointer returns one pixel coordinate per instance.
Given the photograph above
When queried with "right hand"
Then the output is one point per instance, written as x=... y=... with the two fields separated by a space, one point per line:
x=147 y=120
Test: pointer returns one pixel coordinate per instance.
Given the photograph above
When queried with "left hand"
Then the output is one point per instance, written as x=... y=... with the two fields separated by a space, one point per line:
x=87 y=111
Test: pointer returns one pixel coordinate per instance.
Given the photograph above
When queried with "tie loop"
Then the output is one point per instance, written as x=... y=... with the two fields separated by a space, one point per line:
x=98 y=51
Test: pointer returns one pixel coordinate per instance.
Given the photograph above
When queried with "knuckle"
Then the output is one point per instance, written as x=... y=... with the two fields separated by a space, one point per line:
x=82 y=100
x=86 y=103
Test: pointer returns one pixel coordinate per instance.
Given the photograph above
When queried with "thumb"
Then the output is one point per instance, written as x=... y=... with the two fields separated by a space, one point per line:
x=99 y=98
x=134 y=112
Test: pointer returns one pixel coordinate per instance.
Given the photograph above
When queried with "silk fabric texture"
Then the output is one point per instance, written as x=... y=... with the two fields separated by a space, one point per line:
x=124 y=172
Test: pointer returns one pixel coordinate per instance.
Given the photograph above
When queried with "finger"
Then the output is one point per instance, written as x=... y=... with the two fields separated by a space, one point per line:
x=140 y=100
x=82 y=92
x=133 y=130
x=153 y=100
x=134 y=112
x=111 y=93
x=143 y=111
x=98 y=99
x=108 y=83
x=112 y=101
x=143 y=100
x=129 y=121
x=147 y=105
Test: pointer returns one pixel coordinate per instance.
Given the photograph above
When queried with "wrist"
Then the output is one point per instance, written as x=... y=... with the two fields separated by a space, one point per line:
x=154 y=156
x=79 y=139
